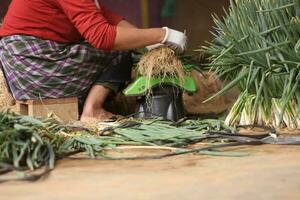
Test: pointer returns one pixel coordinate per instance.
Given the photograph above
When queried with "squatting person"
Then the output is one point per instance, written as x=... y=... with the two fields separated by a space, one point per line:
x=68 y=48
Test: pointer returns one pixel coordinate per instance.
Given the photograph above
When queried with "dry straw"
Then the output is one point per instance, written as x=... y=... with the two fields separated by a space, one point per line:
x=163 y=63
x=6 y=99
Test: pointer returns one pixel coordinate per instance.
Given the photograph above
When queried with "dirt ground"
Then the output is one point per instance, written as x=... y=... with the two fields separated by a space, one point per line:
x=270 y=172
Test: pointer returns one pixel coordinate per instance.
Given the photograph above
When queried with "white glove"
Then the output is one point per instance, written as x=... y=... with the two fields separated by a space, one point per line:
x=176 y=40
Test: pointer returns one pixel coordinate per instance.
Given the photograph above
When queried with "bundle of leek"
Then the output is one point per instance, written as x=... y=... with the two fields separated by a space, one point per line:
x=256 y=49
x=28 y=144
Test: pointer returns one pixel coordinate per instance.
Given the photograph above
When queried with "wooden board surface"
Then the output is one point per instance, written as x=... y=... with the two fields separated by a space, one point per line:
x=65 y=109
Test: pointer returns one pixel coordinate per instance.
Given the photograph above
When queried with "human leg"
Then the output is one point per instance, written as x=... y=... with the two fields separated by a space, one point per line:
x=43 y=69
x=93 y=107
x=110 y=80
x=39 y=69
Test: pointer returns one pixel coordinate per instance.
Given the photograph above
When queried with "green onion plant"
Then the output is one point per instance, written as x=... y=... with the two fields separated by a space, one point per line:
x=257 y=49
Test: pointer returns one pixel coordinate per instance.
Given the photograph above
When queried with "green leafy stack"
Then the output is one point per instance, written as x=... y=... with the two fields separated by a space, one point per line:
x=28 y=144
x=26 y=141
x=257 y=49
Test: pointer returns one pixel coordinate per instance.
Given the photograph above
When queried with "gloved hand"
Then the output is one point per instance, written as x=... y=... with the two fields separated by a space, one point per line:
x=176 y=40
x=173 y=39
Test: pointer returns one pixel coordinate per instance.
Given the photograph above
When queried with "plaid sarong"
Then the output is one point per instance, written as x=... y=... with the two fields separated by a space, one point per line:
x=37 y=68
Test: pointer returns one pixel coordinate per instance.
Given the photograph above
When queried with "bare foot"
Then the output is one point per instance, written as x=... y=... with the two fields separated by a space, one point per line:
x=96 y=115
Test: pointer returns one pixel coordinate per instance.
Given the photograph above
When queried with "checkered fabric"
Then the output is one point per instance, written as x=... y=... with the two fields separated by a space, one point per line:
x=37 y=68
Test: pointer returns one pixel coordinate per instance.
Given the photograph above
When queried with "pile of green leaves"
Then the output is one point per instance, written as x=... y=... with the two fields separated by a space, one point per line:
x=28 y=143
x=164 y=133
x=257 y=49
x=31 y=146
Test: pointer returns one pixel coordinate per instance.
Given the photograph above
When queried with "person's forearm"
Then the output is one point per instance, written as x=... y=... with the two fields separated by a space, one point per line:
x=126 y=24
x=132 y=38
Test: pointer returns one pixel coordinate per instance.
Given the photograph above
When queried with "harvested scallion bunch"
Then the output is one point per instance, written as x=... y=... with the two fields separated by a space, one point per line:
x=28 y=143
x=257 y=49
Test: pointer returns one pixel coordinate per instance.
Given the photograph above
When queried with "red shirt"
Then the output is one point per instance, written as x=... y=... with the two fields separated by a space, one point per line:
x=64 y=21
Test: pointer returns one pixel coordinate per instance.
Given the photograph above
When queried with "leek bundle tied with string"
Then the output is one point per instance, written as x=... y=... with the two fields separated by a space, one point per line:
x=257 y=49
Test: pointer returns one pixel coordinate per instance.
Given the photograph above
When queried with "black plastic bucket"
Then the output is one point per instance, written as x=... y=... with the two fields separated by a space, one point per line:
x=163 y=101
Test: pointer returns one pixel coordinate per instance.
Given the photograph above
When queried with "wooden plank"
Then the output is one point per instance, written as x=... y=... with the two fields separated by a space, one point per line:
x=21 y=108
x=65 y=109
x=52 y=101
